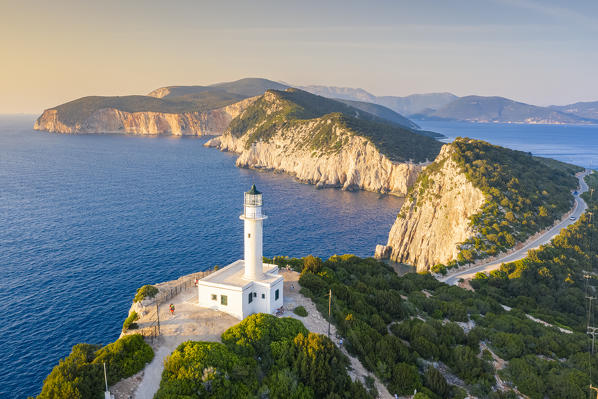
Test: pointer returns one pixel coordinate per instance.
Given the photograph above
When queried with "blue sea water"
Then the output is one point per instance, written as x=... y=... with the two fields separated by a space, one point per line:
x=87 y=219
x=577 y=144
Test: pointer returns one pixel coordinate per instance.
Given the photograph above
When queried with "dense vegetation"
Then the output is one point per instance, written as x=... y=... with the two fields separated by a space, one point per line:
x=263 y=356
x=524 y=194
x=415 y=332
x=549 y=282
x=333 y=121
x=81 y=374
x=551 y=285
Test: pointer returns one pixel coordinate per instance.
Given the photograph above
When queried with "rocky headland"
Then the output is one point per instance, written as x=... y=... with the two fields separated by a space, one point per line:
x=475 y=201
x=113 y=120
x=280 y=132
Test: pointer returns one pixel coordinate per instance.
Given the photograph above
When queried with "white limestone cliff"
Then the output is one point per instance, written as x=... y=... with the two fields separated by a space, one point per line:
x=435 y=217
x=356 y=165
x=111 y=120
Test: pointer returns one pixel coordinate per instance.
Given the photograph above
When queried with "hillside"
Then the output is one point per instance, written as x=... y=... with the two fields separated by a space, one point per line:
x=250 y=87
x=383 y=113
x=582 y=109
x=243 y=88
x=414 y=332
x=326 y=142
x=477 y=200
x=499 y=110
x=416 y=103
x=407 y=105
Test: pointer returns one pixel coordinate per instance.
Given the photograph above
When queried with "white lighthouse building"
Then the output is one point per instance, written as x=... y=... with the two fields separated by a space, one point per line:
x=249 y=285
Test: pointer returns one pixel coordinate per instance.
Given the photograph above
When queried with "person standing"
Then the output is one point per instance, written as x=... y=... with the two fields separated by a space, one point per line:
x=172 y=309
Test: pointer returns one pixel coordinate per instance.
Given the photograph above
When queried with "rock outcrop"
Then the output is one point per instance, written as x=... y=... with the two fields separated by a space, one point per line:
x=435 y=218
x=112 y=120
x=357 y=165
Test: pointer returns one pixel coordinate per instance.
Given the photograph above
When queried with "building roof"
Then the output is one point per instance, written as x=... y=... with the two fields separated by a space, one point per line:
x=253 y=190
x=233 y=275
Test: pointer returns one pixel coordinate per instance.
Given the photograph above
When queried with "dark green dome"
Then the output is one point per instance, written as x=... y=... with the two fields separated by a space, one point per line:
x=253 y=191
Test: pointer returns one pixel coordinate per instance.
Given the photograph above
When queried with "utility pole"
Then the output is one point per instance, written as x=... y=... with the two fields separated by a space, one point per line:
x=105 y=378
x=329 y=309
x=158 y=315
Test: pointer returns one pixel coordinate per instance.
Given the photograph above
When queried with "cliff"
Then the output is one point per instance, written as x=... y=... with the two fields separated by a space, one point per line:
x=477 y=200
x=291 y=132
x=113 y=120
x=358 y=165
x=435 y=218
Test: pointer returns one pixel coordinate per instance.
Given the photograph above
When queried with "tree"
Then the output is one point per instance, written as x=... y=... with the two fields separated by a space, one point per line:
x=405 y=379
x=436 y=382
x=312 y=264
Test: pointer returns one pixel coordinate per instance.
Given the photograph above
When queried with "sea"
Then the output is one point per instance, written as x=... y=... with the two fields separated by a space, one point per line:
x=87 y=219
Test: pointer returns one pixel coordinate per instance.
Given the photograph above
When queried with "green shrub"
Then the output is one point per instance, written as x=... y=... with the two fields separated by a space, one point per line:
x=206 y=369
x=129 y=323
x=81 y=374
x=300 y=311
x=124 y=357
x=147 y=291
x=263 y=356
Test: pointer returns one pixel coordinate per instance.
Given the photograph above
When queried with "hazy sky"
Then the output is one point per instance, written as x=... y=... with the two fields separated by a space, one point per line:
x=538 y=51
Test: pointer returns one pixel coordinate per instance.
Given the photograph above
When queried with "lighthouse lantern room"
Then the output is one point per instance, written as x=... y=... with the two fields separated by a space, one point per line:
x=249 y=285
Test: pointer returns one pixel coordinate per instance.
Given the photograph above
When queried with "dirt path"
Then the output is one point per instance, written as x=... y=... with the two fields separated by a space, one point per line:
x=314 y=322
x=190 y=322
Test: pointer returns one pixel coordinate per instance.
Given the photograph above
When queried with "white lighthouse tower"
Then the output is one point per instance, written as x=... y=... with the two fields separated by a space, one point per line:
x=248 y=285
x=253 y=217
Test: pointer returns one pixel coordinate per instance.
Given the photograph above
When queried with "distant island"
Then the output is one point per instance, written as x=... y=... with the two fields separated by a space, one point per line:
x=207 y=110
x=177 y=110
x=475 y=109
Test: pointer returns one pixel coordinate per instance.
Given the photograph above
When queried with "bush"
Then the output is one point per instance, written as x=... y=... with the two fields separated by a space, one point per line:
x=147 y=291
x=206 y=369
x=81 y=375
x=263 y=356
x=129 y=323
x=124 y=357
x=300 y=311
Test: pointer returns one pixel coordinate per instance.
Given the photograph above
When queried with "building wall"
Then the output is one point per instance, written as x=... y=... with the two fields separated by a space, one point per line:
x=238 y=301
x=234 y=306
x=274 y=303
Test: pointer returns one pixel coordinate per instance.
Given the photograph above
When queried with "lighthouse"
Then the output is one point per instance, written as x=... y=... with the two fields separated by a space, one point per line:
x=253 y=217
x=248 y=285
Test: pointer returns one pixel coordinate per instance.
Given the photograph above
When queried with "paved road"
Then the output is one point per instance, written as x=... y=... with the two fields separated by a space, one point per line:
x=579 y=208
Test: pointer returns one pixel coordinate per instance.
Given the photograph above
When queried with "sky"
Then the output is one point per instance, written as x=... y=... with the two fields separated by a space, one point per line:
x=537 y=51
